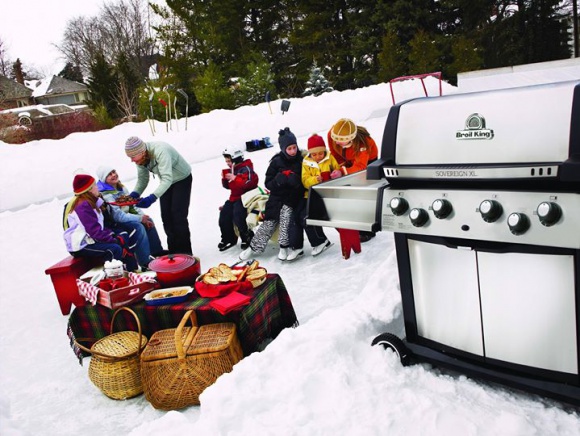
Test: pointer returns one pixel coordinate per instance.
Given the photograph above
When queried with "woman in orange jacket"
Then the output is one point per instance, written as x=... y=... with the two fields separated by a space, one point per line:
x=352 y=146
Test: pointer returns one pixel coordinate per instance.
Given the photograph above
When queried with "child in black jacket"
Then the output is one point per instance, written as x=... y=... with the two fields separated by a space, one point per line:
x=284 y=181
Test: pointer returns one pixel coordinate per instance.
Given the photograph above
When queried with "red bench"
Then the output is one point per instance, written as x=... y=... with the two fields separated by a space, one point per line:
x=64 y=274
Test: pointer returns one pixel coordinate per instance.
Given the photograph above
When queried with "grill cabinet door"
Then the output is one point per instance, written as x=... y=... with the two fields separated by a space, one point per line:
x=529 y=309
x=446 y=295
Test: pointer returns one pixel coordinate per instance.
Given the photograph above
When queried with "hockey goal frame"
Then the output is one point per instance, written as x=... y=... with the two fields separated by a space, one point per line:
x=422 y=77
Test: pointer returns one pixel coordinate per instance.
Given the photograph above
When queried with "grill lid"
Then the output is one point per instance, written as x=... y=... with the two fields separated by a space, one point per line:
x=519 y=133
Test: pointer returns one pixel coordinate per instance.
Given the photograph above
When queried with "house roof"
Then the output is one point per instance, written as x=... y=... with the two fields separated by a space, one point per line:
x=11 y=89
x=55 y=85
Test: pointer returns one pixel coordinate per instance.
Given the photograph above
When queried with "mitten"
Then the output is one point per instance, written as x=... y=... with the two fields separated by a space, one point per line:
x=147 y=201
x=134 y=195
x=294 y=180
x=287 y=172
x=122 y=239
x=281 y=179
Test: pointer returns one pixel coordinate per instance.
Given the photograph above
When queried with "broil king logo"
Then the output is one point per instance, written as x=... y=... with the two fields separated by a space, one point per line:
x=474 y=129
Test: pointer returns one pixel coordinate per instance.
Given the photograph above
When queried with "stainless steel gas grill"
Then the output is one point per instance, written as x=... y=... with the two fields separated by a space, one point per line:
x=482 y=192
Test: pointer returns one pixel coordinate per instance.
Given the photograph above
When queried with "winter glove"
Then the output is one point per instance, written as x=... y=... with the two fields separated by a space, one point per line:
x=294 y=180
x=134 y=195
x=281 y=179
x=122 y=239
x=147 y=201
x=287 y=173
x=336 y=174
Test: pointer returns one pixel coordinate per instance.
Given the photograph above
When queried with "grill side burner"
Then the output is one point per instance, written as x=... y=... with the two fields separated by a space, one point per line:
x=482 y=193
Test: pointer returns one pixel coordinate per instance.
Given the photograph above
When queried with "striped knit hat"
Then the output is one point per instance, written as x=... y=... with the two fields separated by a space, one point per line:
x=134 y=146
x=343 y=131
x=82 y=183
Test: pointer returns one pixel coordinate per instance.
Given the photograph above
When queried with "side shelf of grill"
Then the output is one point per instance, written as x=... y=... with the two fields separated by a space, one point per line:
x=350 y=202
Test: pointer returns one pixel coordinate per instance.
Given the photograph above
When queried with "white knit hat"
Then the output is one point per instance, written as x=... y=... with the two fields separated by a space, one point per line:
x=103 y=171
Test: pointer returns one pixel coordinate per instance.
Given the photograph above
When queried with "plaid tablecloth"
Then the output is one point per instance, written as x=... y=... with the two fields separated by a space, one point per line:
x=268 y=313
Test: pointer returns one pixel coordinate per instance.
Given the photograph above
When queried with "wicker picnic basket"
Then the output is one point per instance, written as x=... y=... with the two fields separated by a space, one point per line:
x=178 y=364
x=114 y=366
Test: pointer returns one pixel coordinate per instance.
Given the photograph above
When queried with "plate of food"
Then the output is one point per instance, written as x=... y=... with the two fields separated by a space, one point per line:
x=223 y=279
x=161 y=297
x=125 y=200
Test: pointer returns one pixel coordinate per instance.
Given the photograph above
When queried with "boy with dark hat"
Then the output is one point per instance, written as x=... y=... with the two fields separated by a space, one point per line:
x=283 y=180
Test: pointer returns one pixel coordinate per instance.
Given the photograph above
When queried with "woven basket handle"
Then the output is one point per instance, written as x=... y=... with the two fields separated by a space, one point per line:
x=136 y=319
x=103 y=356
x=106 y=356
x=81 y=346
x=182 y=346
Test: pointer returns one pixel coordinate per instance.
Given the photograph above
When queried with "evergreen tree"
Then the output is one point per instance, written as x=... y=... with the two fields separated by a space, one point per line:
x=546 y=36
x=466 y=57
x=180 y=78
x=102 y=85
x=392 y=58
x=323 y=30
x=317 y=83
x=267 y=27
x=254 y=85
x=72 y=72
x=425 y=54
x=212 y=91
x=358 y=43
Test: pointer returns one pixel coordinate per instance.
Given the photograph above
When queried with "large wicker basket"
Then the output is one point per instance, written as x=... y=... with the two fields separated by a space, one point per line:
x=114 y=366
x=178 y=364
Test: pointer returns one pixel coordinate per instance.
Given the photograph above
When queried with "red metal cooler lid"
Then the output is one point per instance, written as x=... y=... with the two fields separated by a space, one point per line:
x=172 y=263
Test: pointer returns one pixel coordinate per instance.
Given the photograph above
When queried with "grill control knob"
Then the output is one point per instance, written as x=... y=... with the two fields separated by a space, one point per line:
x=398 y=206
x=419 y=217
x=519 y=223
x=549 y=213
x=441 y=208
x=490 y=210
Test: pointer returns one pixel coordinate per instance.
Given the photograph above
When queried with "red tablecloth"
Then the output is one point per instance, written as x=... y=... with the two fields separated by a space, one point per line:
x=267 y=314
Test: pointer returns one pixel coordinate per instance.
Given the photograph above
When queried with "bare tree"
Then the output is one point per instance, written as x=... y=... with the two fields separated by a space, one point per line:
x=5 y=62
x=122 y=26
x=126 y=101
x=82 y=42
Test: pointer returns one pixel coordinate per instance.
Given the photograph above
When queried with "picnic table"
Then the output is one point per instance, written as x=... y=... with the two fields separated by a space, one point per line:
x=269 y=311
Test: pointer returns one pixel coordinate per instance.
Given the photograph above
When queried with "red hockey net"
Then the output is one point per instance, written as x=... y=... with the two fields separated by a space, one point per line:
x=422 y=77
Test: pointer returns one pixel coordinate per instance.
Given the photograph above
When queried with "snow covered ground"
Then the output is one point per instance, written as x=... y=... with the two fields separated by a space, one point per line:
x=322 y=378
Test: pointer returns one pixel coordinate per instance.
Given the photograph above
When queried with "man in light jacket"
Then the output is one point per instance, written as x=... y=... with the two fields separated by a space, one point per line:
x=173 y=192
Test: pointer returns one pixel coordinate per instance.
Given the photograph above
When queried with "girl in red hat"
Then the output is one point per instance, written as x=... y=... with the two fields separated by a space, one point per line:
x=318 y=166
x=85 y=232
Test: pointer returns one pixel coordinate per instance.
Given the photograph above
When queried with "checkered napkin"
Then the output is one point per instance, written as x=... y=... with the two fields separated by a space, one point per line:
x=88 y=291
x=135 y=279
x=91 y=292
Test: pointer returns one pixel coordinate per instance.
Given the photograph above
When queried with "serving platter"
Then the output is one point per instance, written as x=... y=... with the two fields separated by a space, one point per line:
x=165 y=296
x=124 y=203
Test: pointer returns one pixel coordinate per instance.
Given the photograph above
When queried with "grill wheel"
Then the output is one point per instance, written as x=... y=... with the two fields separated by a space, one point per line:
x=394 y=343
